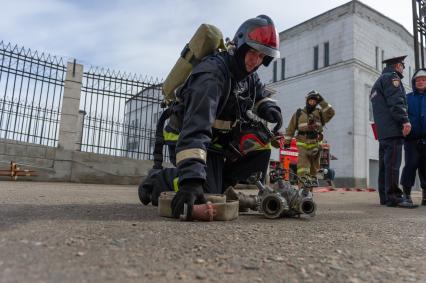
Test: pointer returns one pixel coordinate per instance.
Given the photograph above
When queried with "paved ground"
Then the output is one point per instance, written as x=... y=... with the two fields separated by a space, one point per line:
x=60 y=232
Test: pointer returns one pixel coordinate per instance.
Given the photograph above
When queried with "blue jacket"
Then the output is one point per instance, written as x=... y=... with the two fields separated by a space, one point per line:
x=389 y=104
x=416 y=111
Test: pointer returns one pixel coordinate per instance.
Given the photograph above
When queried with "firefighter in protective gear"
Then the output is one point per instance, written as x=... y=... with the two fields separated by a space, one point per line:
x=210 y=130
x=307 y=126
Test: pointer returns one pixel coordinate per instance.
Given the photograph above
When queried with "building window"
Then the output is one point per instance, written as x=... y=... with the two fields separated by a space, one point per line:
x=377 y=58
x=326 y=54
x=274 y=79
x=383 y=58
x=283 y=68
x=316 y=57
x=370 y=106
x=370 y=112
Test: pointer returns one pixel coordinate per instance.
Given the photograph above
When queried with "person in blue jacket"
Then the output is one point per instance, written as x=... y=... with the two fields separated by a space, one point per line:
x=415 y=142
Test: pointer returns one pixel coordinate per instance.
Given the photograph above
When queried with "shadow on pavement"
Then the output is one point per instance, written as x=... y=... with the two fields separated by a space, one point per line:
x=14 y=214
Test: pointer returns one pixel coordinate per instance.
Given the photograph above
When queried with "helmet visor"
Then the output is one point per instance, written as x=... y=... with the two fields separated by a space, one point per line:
x=264 y=39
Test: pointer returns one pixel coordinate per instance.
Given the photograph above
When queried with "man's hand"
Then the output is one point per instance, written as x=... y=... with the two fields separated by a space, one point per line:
x=406 y=129
x=190 y=193
x=273 y=115
x=319 y=98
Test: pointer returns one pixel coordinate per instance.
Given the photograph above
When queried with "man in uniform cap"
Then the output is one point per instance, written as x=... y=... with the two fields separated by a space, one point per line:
x=392 y=125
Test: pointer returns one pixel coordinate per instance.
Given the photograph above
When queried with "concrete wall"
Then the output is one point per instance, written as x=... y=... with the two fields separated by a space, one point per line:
x=28 y=156
x=55 y=164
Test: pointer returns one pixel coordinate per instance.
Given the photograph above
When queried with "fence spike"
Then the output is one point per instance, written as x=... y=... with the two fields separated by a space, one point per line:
x=28 y=53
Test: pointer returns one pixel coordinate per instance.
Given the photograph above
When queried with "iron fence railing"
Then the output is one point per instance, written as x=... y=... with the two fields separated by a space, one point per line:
x=121 y=114
x=31 y=88
x=419 y=32
x=120 y=110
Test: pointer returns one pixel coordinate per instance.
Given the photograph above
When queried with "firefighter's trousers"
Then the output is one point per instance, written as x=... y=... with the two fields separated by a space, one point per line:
x=220 y=173
x=308 y=162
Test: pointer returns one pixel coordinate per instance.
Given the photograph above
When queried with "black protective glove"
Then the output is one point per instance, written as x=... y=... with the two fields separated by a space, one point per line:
x=319 y=98
x=273 y=115
x=190 y=192
x=147 y=186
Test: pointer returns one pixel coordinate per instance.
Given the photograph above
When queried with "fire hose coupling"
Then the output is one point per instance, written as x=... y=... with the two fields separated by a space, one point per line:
x=273 y=205
x=217 y=208
x=284 y=200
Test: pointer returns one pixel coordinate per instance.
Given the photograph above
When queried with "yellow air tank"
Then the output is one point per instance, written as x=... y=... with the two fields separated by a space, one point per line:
x=205 y=41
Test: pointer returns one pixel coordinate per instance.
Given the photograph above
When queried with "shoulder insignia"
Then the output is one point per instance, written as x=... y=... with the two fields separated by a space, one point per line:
x=396 y=82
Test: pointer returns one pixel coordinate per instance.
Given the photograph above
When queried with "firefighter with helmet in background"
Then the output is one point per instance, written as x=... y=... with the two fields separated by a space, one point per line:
x=307 y=126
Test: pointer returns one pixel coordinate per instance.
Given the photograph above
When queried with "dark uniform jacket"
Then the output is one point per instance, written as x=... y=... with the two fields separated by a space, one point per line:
x=417 y=112
x=389 y=104
x=211 y=100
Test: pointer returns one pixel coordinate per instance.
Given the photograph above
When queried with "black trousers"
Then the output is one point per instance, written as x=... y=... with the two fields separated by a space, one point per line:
x=222 y=173
x=390 y=154
x=415 y=161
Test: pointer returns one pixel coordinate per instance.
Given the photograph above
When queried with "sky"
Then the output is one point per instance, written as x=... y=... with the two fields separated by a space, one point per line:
x=145 y=37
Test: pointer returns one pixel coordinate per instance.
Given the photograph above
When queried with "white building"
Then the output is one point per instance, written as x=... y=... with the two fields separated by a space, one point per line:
x=339 y=53
x=140 y=119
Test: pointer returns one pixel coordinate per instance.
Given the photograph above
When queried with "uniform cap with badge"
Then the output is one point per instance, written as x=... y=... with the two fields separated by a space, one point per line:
x=394 y=60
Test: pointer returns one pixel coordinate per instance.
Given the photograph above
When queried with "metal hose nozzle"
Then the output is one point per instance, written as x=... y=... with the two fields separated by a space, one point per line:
x=308 y=206
x=273 y=206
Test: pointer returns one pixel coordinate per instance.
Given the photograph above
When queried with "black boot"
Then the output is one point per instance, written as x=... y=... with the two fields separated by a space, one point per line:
x=407 y=202
x=145 y=191
x=146 y=187
x=406 y=190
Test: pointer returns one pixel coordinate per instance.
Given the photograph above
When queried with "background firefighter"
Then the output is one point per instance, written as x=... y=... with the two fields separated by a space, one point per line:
x=307 y=126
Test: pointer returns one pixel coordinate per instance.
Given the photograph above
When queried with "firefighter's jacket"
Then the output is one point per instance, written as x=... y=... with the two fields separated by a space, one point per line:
x=214 y=96
x=309 y=127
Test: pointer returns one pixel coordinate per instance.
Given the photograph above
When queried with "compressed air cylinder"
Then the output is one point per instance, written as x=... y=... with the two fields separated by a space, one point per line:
x=205 y=41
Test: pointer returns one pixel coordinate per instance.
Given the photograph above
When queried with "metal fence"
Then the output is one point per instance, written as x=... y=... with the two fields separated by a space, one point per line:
x=419 y=32
x=121 y=112
x=31 y=88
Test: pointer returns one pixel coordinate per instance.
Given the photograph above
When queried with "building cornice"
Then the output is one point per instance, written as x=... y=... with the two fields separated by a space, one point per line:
x=333 y=67
x=346 y=10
